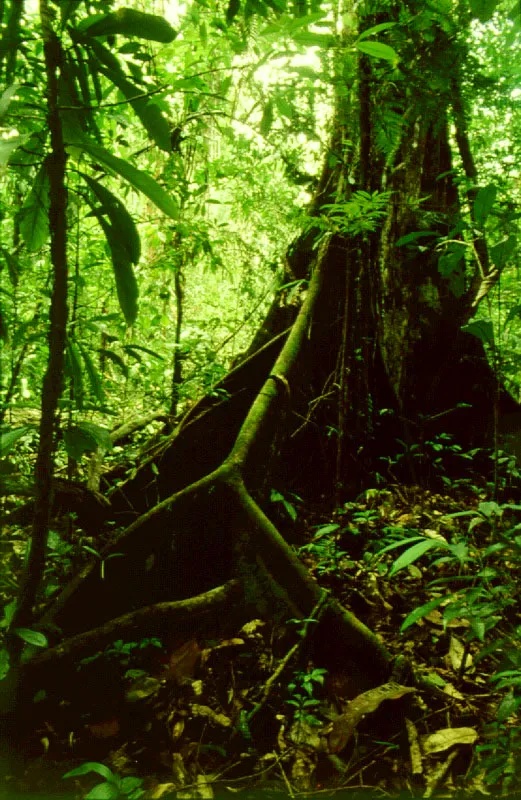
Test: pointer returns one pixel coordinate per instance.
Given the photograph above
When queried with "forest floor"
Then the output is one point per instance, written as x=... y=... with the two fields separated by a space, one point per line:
x=435 y=575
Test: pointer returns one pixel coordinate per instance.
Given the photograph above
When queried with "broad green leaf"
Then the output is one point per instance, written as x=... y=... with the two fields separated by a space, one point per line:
x=377 y=50
x=483 y=203
x=500 y=253
x=129 y=783
x=100 y=434
x=9 y=146
x=78 y=441
x=420 y=612
x=126 y=284
x=450 y=261
x=31 y=637
x=34 y=215
x=122 y=223
x=481 y=328
x=139 y=180
x=413 y=553
x=413 y=237
x=130 y=22
x=91 y=766
x=323 y=530
x=483 y=9
x=312 y=39
x=9 y=439
x=384 y=26
x=6 y=98
x=104 y=791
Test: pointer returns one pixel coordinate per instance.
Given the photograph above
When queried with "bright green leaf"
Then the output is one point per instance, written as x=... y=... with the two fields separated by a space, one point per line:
x=9 y=439
x=31 y=637
x=378 y=50
x=420 y=612
x=414 y=553
x=312 y=39
x=481 y=328
x=384 y=26
x=139 y=180
x=104 y=791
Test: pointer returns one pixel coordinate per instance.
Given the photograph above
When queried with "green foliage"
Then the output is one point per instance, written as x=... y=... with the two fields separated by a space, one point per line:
x=302 y=689
x=112 y=787
x=364 y=212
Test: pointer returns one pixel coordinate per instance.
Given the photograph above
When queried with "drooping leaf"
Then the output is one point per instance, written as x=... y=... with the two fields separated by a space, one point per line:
x=9 y=438
x=483 y=203
x=483 y=9
x=122 y=223
x=130 y=22
x=34 y=214
x=377 y=50
x=481 y=328
x=139 y=180
x=126 y=284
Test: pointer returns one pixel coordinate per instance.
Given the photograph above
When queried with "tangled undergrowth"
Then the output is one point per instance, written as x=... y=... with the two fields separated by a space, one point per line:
x=435 y=575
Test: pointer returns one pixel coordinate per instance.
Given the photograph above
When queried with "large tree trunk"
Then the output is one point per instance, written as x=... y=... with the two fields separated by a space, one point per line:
x=378 y=329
